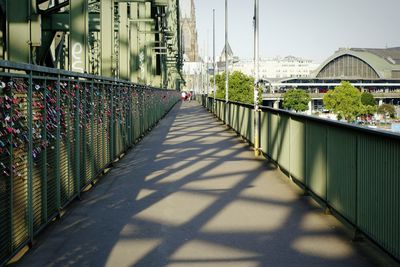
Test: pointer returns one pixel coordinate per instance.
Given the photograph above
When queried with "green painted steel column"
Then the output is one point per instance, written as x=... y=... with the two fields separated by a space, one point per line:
x=133 y=43
x=150 y=58
x=124 y=41
x=23 y=30
x=143 y=57
x=79 y=32
x=107 y=36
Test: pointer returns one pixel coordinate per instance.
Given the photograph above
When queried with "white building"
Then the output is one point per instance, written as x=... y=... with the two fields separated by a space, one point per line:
x=287 y=67
x=193 y=68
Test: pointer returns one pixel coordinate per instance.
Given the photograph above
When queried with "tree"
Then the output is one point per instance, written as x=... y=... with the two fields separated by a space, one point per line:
x=241 y=87
x=387 y=110
x=296 y=99
x=344 y=101
x=367 y=110
x=368 y=104
x=367 y=99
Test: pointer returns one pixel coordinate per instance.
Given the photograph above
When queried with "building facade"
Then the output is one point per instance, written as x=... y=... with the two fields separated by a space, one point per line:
x=277 y=67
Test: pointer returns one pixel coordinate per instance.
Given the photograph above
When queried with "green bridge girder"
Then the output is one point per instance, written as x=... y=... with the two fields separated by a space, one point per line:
x=134 y=40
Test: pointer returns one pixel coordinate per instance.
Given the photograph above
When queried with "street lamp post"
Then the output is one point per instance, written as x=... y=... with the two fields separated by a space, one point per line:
x=207 y=74
x=226 y=66
x=214 y=63
x=256 y=80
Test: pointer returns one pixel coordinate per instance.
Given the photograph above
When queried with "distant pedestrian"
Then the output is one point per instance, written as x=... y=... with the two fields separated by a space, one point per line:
x=183 y=96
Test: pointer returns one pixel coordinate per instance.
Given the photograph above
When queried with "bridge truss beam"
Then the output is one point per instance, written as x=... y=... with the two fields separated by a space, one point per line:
x=136 y=40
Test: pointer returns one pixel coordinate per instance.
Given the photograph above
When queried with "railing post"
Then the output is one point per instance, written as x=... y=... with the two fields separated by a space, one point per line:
x=257 y=114
x=43 y=160
x=69 y=103
x=93 y=154
x=58 y=141
x=77 y=140
x=112 y=122
x=130 y=124
x=358 y=171
x=30 y=160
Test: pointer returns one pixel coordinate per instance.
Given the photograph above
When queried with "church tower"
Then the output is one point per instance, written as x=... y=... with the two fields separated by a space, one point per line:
x=189 y=30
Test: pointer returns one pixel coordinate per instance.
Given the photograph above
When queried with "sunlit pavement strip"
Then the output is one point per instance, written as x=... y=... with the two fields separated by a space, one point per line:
x=190 y=194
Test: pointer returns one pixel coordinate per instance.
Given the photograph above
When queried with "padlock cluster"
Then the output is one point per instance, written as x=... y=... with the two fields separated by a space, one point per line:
x=73 y=119
x=14 y=128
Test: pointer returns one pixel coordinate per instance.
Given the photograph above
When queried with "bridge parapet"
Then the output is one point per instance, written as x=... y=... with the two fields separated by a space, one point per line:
x=351 y=170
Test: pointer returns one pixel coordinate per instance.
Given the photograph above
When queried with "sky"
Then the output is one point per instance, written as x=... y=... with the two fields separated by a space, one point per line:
x=311 y=29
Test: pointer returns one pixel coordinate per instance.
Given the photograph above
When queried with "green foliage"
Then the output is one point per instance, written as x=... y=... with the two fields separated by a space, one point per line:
x=367 y=99
x=241 y=87
x=296 y=99
x=344 y=101
x=367 y=110
x=387 y=110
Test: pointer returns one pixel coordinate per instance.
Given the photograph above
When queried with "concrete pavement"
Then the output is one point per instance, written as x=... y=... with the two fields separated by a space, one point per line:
x=191 y=194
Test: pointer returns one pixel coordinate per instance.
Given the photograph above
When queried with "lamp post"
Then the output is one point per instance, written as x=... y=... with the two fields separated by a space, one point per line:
x=214 y=63
x=226 y=66
x=207 y=74
x=256 y=80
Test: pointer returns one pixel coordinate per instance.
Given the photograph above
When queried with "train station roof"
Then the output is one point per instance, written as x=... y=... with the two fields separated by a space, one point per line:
x=364 y=63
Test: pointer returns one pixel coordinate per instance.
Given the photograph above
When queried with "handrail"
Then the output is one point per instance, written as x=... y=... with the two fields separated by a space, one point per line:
x=54 y=71
x=334 y=123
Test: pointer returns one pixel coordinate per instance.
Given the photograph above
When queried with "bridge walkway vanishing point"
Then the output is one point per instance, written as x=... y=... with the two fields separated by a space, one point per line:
x=192 y=194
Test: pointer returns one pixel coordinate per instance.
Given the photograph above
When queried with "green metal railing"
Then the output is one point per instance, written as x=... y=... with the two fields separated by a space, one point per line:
x=59 y=130
x=352 y=170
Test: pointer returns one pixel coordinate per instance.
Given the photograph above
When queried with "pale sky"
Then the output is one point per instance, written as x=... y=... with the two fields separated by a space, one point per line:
x=312 y=29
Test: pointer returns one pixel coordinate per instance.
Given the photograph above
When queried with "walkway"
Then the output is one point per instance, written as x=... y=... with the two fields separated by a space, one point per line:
x=191 y=194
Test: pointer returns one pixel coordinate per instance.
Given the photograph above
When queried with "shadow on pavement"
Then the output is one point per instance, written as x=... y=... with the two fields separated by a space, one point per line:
x=190 y=194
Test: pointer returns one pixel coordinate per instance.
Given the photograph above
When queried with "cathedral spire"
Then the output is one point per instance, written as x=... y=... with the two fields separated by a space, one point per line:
x=193 y=10
x=189 y=31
